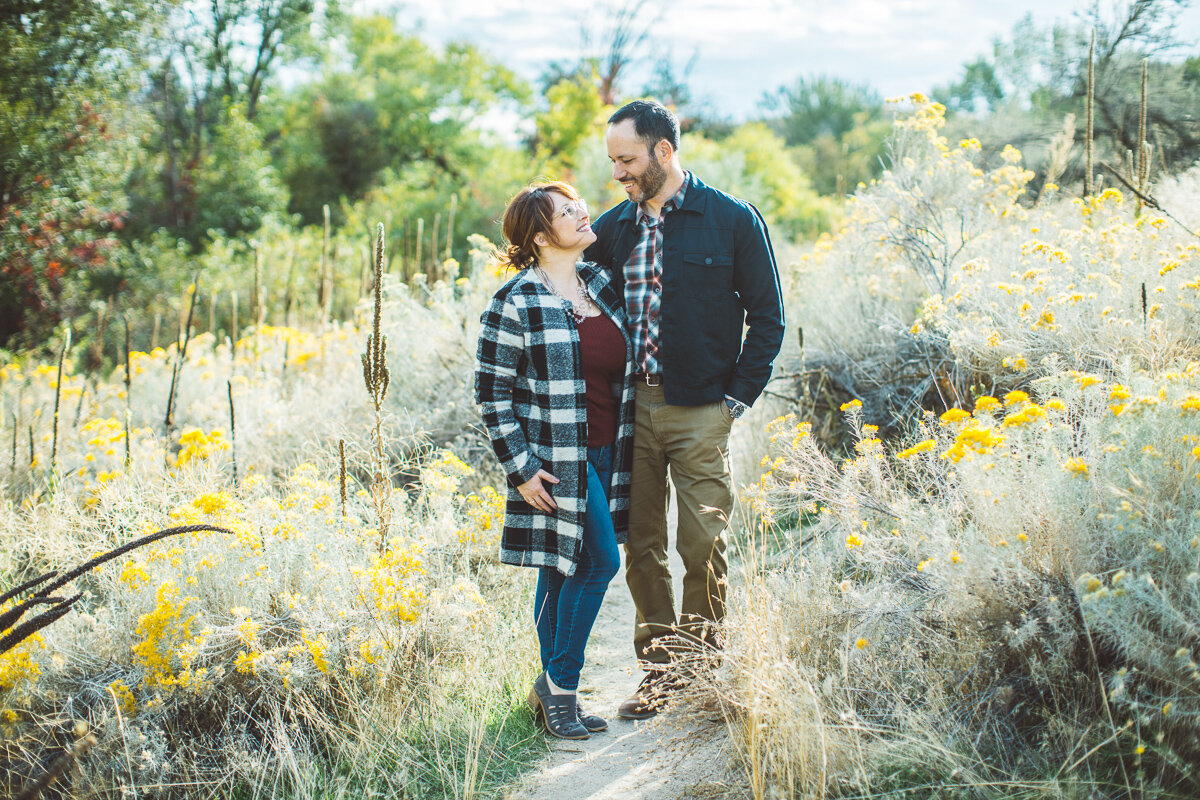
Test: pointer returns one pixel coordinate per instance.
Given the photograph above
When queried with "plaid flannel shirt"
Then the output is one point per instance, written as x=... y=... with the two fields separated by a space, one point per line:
x=530 y=389
x=643 y=284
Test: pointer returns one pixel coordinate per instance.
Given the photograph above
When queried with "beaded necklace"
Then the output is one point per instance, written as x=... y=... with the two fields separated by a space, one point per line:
x=585 y=303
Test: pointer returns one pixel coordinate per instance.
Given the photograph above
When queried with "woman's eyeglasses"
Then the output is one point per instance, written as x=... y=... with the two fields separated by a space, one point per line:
x=576 y=211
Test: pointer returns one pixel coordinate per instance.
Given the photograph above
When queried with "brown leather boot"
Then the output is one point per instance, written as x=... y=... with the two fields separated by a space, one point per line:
x=650 y=696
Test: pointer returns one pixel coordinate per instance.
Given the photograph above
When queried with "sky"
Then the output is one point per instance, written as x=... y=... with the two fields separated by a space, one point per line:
x=747 y=48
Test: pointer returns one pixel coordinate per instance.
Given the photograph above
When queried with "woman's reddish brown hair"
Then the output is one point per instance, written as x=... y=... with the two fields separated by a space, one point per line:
x=527 y=215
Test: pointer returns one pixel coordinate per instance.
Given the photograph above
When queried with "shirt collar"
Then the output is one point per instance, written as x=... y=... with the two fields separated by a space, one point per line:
x=675 y=202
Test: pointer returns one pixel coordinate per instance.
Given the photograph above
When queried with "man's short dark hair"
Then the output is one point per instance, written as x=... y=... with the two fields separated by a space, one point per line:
x=651 y=122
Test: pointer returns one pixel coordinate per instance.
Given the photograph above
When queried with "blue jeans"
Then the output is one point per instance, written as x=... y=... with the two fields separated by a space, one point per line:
x=565 y=608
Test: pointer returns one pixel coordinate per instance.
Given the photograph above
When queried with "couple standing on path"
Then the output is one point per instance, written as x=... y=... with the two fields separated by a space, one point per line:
x=614 y=356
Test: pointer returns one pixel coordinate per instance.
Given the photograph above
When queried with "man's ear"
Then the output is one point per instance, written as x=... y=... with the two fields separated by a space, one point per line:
x=664 y=151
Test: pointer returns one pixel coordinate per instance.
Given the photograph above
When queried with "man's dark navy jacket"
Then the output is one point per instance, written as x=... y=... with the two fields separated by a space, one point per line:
x=718 y=271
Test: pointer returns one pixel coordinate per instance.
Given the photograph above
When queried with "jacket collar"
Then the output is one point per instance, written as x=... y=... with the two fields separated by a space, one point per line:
x=596 y=280
x=600 y=285
x=696 y=198
x=591 y=275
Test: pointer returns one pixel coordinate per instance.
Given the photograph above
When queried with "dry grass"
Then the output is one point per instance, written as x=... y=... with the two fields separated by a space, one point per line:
x=999 y=602
x=292 y=650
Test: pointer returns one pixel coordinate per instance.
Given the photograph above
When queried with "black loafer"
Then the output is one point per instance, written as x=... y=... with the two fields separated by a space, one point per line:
x=593 y=723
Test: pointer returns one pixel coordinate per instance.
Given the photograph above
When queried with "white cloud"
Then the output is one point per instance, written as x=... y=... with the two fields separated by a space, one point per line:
x=750 y=47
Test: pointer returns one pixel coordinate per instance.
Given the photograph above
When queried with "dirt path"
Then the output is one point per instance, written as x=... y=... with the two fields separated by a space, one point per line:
x=672 y=756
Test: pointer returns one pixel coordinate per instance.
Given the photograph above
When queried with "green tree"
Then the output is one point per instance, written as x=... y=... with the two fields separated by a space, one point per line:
x=754 y=163
x=216 y=73
x=1036 y=76
x=574 y=112
x=836 y=128
x=977 y=90
x=237 y=178
x=836 y=165
x=62 y=154
x=394 y=103
x=820 y=105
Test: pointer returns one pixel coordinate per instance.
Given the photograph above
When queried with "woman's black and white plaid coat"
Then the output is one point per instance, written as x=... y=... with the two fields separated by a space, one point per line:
x=529 y=385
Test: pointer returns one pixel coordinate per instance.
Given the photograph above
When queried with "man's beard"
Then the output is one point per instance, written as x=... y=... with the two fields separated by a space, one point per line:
x=650 y=182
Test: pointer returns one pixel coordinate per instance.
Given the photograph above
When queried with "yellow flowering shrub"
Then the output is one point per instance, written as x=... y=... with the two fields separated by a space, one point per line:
x=211 y=632
x=484 y=511
x=390 y=584
x=1057 y=493
x=19 y=666
x=162 y=634
x=195 y=445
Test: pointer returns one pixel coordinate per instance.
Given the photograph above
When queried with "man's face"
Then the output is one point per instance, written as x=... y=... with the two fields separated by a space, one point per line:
x=635 y=166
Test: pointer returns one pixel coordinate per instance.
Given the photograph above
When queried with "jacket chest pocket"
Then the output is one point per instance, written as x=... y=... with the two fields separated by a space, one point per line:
x=708 y=270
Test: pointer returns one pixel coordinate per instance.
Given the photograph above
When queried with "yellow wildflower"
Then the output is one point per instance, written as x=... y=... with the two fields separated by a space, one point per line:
x=986 y=403
x=1016 y=396
x=954 y=415
x=1076 y=465
x=921 y=447
x=1024 y=416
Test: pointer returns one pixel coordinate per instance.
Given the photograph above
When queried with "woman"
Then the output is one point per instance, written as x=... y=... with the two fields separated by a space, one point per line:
x=555 y=384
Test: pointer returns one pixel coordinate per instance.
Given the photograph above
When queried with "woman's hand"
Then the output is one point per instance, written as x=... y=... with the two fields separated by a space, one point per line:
x=536 y=494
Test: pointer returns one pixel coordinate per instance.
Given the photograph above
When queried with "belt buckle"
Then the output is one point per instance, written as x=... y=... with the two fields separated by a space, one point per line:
x=652 y=380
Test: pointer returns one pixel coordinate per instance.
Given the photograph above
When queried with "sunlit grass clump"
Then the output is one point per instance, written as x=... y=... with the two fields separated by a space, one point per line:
x=295 y=647
x=998 y=598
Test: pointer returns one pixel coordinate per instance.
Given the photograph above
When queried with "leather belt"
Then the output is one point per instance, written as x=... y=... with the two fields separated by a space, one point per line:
x=649 y=380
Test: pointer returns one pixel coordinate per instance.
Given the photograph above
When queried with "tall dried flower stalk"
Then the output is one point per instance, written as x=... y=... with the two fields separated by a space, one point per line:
x=232 y=430
x=256 y=297
x=450 y=225
x=1143 y=147
x=59 y=606
x=342 y=474
x=61 y=765
x=186 y=337
x=233 y=328
x=83 y=393
x=376 y=378
x=1089 y=169
x=325 y=298
x=420 y=260
x=405 y=250
x=128 y=392
x=62 y=357
x=433 y=248
x=291 y=281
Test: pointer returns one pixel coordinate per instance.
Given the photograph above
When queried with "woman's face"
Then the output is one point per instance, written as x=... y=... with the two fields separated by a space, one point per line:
x=570 y=224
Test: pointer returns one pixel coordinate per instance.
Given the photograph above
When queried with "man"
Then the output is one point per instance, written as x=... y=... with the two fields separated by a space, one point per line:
x=694 y=264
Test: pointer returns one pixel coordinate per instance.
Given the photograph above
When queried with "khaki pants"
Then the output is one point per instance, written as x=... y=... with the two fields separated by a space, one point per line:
x=693 y=443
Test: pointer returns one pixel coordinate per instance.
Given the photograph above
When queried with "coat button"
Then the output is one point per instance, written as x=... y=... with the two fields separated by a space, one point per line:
x=708 y=261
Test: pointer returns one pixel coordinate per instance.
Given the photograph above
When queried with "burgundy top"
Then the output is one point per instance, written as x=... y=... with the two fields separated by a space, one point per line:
x=602 y=350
